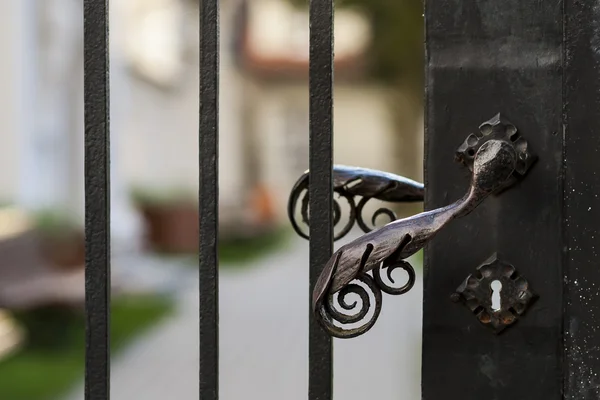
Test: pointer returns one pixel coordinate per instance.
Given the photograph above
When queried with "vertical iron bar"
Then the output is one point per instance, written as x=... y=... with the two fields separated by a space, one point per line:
x=97 y=200
x=321 y=184
x=208 y=199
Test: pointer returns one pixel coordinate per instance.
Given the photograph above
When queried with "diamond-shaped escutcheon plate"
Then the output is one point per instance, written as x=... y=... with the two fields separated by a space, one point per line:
x=496 y=294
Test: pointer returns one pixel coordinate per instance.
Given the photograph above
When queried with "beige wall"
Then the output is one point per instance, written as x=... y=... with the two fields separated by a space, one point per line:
x=157 y=132
x=363 y=132
x=162 y=134
x=13 y=112
x=158 y=139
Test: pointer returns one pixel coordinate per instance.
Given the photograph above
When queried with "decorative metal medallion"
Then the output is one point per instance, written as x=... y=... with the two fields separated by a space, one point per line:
x=496 y=294
x=498 y=128
x=496 y=159
x=352 y=182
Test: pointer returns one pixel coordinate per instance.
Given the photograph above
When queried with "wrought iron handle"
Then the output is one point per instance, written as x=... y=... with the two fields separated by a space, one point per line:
x=352 y=182
x=497 y=158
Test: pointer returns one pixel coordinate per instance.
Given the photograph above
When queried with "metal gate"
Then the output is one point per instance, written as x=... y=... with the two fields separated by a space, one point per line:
x=529 y=65
x=97 y=193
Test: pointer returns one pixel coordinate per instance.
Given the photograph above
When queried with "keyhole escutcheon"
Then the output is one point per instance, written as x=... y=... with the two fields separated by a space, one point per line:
x=496 y=302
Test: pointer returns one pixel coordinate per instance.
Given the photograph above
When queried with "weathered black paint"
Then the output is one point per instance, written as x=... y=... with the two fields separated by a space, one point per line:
x=320 y=385
x=582 y=200
x=499 y=159
x=485 y=57
x=97 y=200
x=208 y=199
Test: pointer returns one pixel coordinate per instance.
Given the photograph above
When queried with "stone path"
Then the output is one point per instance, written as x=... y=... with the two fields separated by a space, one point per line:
x=264 y=343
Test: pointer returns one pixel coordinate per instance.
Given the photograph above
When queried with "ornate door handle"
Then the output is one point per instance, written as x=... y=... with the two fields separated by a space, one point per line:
x=352 y=182
x=497 y=158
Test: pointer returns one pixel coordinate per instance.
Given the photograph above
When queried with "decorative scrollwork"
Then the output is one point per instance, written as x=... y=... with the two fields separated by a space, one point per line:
x=329 y=314
x=381 y=211
x=373 y=285
x=498 y=128
x=495 y=167
x=405 y=265
x=343 y=279
x=351 y=182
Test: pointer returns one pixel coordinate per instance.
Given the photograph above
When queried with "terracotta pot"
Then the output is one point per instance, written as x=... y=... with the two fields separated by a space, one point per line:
x=263 y=206
x=171 y=228
x=65 y=251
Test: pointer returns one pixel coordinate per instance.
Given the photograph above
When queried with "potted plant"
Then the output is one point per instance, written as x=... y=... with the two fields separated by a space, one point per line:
x=170 y=218
x=62 y=239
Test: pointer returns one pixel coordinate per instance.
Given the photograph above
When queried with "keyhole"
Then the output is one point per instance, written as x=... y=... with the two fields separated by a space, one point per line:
x=496 y=288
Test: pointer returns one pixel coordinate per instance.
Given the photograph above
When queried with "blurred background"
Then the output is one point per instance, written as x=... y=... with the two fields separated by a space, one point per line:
x=264 y=114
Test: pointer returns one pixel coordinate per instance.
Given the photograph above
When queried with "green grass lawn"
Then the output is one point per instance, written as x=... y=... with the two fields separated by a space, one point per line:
x=53 y=360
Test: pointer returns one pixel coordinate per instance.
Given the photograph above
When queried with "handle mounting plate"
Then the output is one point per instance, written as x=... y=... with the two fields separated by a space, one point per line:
x=498 y=128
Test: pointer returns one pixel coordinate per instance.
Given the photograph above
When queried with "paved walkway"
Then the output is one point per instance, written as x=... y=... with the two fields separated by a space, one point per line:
x=264 y=343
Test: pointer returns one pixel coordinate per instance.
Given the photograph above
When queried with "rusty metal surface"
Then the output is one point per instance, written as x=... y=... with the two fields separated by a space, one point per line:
x=497 y=128
x=494 y=165
x=514 y=294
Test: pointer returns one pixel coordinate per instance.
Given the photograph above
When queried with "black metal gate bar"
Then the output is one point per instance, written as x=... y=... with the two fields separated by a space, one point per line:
x=321 y=184
x=208 y=199
x=582 y=201
x=97 y=200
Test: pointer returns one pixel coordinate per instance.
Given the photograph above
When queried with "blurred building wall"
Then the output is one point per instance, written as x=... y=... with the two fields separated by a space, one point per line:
x=163 y=142
x=363 y=131
x=40 y=41
x=13 y=118
x=162 y=129
x=154 y=122
x=154 y=98
x=19 y=100
x=272 y=52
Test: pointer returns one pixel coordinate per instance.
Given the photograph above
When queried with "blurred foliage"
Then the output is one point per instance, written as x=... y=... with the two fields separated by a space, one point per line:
x=55 y=222
x=53 y=359
x=397 y=48
x=148 y=196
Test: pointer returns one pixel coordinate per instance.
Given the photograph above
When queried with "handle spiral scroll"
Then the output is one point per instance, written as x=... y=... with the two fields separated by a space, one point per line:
x=349 y=183
x=496 y=159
